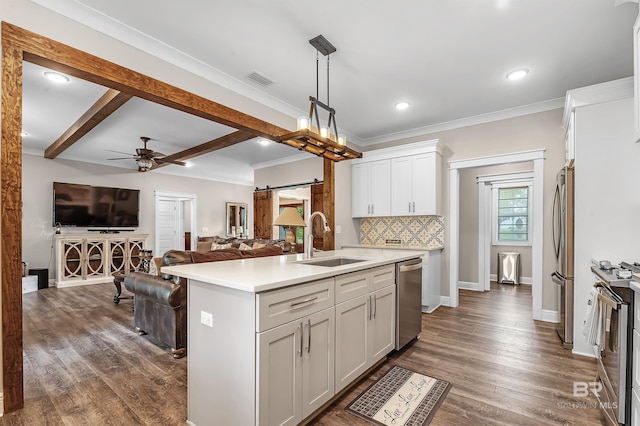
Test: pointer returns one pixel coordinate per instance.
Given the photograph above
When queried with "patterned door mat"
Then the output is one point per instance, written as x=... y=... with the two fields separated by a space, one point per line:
x=401 y=398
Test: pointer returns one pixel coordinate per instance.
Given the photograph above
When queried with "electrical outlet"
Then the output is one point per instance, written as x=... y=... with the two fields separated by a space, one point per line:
x=338 y=229
x=206 y=318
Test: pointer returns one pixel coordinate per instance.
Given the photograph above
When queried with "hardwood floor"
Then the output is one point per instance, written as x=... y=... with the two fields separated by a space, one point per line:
x=505 y=368
x=84 y=365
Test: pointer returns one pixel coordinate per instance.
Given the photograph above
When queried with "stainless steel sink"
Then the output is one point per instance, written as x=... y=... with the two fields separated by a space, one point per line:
x=332 y=261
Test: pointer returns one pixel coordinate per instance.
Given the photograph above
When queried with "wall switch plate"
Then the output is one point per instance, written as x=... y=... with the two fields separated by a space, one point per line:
x=205 y=229
x=338 y=229
x=206 y=318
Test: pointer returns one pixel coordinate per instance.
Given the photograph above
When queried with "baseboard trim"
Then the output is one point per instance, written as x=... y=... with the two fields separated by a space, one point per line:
x=588 y=355
x=550 y=316
x=445 y=301
x=523 y=280
x=429 y=309
x=465 y=285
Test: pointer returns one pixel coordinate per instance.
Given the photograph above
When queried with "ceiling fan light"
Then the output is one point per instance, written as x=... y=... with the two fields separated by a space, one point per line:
x=56 y=77
x=144 y=164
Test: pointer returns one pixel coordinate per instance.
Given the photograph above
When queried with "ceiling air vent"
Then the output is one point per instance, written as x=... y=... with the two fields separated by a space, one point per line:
x=260 y=79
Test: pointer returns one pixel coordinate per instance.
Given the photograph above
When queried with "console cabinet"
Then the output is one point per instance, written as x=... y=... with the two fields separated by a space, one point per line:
x=92 y=258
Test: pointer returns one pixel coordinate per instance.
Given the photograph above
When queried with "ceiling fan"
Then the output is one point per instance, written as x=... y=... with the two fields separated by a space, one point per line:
x=147 y=158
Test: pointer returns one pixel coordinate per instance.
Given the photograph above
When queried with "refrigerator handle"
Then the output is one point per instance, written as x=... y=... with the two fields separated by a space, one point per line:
x=556 y=243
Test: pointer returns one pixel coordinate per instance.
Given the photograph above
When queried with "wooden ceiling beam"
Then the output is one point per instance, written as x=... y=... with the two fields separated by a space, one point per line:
x=207 y=147
x=96 y=114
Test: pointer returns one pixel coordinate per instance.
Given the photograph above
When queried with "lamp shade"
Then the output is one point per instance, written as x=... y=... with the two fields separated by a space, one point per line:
x=289 y=217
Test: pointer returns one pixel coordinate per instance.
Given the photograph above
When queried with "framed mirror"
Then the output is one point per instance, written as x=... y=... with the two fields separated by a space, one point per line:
x=236 y=219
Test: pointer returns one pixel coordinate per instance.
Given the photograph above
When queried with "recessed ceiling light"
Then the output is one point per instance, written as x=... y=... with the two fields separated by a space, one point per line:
x=24 y=134
x=517 y=74
x=264 y=142
x=402 y=105
x=188 y=164
x=56 y=77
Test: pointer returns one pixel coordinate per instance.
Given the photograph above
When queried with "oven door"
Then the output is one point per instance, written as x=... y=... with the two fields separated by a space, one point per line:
x=612 y=362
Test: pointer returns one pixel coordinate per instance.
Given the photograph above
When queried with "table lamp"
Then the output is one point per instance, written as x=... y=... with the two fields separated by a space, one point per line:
x=290 y=218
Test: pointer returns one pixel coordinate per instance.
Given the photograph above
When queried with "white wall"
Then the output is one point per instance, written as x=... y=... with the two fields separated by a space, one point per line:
x=39 y=173
x=607 y=197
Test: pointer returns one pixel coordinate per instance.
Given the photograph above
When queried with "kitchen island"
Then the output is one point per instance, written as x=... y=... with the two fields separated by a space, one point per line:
x=272 y=340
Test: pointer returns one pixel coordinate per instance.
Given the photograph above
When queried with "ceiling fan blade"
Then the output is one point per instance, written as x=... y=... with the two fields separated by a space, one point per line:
x=163 y=160
x=120 y=152
x=122 y=158
x=155 y=154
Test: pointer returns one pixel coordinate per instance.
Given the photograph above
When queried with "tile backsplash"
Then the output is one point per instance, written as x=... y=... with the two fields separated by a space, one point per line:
x=413 y=231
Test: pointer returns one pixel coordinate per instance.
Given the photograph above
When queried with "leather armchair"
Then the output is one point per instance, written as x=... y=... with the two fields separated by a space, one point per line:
x=160 y=302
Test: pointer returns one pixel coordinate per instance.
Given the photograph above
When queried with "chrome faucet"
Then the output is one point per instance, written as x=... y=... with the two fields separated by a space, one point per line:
x=326 y=229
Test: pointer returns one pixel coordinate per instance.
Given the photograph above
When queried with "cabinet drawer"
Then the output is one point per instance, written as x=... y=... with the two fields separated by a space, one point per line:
x=287 y=304
x=382 y=277
x=352 y=285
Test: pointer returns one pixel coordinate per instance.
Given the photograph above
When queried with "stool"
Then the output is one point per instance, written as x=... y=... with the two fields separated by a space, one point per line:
x=118 y=279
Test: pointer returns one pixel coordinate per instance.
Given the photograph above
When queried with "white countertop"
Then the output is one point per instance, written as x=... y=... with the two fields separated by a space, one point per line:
x=391 y=247
x=269 y=273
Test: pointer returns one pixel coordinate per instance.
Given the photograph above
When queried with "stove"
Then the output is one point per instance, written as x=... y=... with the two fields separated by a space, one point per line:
x=619 y=275
x=614 y=350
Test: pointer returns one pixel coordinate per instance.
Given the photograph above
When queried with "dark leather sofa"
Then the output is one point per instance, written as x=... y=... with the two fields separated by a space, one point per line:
x=160 y=302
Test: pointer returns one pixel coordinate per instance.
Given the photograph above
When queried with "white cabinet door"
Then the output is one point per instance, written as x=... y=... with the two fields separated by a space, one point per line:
x=382 y=325
x=425 y=181
x=371 y=189
x=380 y=188
x=280 y=374
x=318 y=376
x=402 y=186
x=352 y=318
x=415 y=185
x=636 y=361
x=360 y=198
x=635 y=408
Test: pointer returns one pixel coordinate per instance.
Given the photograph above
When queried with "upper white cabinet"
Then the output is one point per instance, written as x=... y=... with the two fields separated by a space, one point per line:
x=398 y=181
x=415 y=185
x=371 y=189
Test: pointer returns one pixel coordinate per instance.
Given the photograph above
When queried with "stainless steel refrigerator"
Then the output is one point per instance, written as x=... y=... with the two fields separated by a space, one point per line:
x=563 y=215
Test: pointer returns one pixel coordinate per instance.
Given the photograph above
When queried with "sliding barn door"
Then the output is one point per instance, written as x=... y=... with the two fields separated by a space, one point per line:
x=262 y=214
x=316 y=206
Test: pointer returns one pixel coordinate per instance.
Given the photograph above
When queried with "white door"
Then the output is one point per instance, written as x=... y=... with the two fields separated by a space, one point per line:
x=318 y=376
x=380 y=188
x=382 y=327
x=352 y=319
x=401 y=186
x=360 y=199
x=279 y=374
x=168 y=230
x=424 y=184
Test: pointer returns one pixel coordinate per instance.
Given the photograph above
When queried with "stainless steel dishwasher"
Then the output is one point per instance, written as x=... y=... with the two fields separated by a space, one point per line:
x=409 y=301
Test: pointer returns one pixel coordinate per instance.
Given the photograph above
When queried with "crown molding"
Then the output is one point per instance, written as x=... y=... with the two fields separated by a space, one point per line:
x=468 y=121
x=596 y=94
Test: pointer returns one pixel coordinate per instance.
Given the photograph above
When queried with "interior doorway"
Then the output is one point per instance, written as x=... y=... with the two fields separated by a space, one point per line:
x=175 y=221
x=537 y=213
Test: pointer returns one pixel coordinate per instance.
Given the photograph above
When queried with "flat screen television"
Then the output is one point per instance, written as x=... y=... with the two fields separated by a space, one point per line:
x=94 y=206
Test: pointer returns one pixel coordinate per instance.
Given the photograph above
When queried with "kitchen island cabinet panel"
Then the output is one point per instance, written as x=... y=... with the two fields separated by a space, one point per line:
x=352 y=318
x=382 y=326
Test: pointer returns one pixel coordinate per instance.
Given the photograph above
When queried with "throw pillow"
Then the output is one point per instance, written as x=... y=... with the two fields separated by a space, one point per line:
x=244 y=246
x=216 y=246
x=258 y=245
x=204 y=246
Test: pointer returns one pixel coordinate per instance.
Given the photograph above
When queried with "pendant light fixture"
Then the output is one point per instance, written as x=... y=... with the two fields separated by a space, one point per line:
x=311 y=135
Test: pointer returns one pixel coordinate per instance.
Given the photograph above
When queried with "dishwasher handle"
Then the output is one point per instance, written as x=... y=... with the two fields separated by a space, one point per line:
x=412 y=267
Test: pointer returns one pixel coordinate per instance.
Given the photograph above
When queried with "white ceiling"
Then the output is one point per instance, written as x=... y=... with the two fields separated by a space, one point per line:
x=448 y=58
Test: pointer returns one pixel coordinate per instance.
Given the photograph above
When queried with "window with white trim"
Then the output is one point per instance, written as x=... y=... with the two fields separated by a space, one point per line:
x=512 y=210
